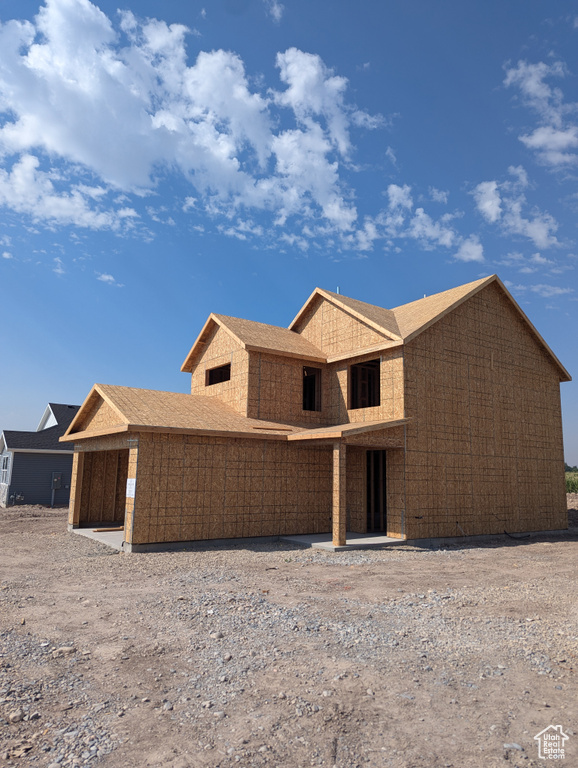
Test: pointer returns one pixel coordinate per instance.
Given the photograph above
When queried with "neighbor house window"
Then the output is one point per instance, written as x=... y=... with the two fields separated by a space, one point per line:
x=311 y=389
x=217 y=375
x=5 y=468
x=364 y=384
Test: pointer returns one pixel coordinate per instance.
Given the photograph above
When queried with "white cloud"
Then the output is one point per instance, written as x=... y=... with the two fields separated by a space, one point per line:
x=504 y=205
x=430 y=232
x=95 y=114
x=314 y=91
x=82 y=98
x=58 y=268
x=537 y=258
x=542 y=289
x=401 y=221
x=399 y=197
x=439 y=195
x=7 y=255
x=553 y=145
x=391 y=156
x=547 y=291
x=104 y=277
x=539 y=229
x=470 y=250
x=275 y=9
x=521 y=177
x=555 y=140
x=488 y=200
x=26 y=189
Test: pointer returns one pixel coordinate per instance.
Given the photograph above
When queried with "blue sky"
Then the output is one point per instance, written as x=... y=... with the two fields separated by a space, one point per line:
x=168 y=159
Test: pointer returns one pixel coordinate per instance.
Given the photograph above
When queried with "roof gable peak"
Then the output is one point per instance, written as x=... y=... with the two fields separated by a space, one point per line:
x=380 y=319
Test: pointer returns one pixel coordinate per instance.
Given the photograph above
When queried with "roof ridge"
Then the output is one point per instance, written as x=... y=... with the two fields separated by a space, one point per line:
x=469 y=285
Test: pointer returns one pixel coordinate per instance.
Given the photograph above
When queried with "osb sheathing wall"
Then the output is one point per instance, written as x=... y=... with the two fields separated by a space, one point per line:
x=221 y=349
x=276 y=390
x=193 y=487
x=335 y=331
x=484 y=439
x=100 y=416
x=391 y=390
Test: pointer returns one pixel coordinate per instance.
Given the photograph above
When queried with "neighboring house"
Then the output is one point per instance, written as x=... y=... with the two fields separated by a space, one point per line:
x=437 y=418
x=35 y=468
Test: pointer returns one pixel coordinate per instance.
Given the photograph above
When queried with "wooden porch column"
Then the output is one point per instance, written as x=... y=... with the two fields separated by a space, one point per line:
x=339 y=506
x=130 y=491
x=76 y=489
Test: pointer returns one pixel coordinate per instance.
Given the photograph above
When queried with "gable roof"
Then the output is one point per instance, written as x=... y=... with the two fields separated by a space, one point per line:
x=43 y=439
x=380 y=319
x=407 y=321
x=416 y=316
x=57 y=413
x=256 y=337
x=152 y=410
x=149 y=410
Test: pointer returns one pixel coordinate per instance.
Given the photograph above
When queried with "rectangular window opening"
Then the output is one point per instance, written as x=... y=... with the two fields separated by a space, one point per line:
x=364 y=384
x=217 y=375
x=5 y=468
x=311 y=389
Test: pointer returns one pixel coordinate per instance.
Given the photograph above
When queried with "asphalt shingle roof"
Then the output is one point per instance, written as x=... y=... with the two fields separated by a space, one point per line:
x=45 y=439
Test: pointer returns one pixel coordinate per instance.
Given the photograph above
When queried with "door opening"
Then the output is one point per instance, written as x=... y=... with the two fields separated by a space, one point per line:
x=376 y=492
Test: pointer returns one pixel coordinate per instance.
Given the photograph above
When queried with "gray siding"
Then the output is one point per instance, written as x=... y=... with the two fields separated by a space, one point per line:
x=32 y=477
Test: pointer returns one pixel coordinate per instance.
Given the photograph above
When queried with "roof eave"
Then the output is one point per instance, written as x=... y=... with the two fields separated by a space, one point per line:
x=284 y=353
x=74 y=436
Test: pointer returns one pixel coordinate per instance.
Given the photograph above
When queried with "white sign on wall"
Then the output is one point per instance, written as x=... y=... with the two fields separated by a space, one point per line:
x=130 y=487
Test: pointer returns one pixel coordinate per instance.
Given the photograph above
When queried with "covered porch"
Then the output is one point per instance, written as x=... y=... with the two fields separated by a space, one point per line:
x=380 y=507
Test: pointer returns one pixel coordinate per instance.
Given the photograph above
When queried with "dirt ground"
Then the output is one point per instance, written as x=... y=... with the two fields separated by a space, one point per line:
x=278 y=656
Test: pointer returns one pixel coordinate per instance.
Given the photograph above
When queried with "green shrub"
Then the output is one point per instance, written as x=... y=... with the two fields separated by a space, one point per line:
x=571 y=482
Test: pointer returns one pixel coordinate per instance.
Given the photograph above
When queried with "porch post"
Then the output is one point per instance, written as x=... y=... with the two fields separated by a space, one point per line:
x=76 y=481
x=339 y=504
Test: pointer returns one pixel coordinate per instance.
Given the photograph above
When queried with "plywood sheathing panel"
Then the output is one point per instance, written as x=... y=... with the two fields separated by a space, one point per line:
x=250 y=335
x=75 y=489
x=391 y=390
x=339 y=494
x=484 y=440
x=146 y=409
x=335 y=331
x=97 y=417
x=191 y=488
x=221 y=348
x=276 y=390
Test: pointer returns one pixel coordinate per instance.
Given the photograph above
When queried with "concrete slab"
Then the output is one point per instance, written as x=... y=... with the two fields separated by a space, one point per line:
x=112 y=539
x=354 y=541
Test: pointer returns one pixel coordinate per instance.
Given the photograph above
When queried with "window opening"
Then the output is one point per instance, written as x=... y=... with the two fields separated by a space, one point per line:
x=5 y=468
x=311 y=389
x=217 y=375
x=364 y=384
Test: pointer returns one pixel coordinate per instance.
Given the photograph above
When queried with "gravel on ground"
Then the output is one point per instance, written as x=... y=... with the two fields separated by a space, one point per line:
x=274 y=655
